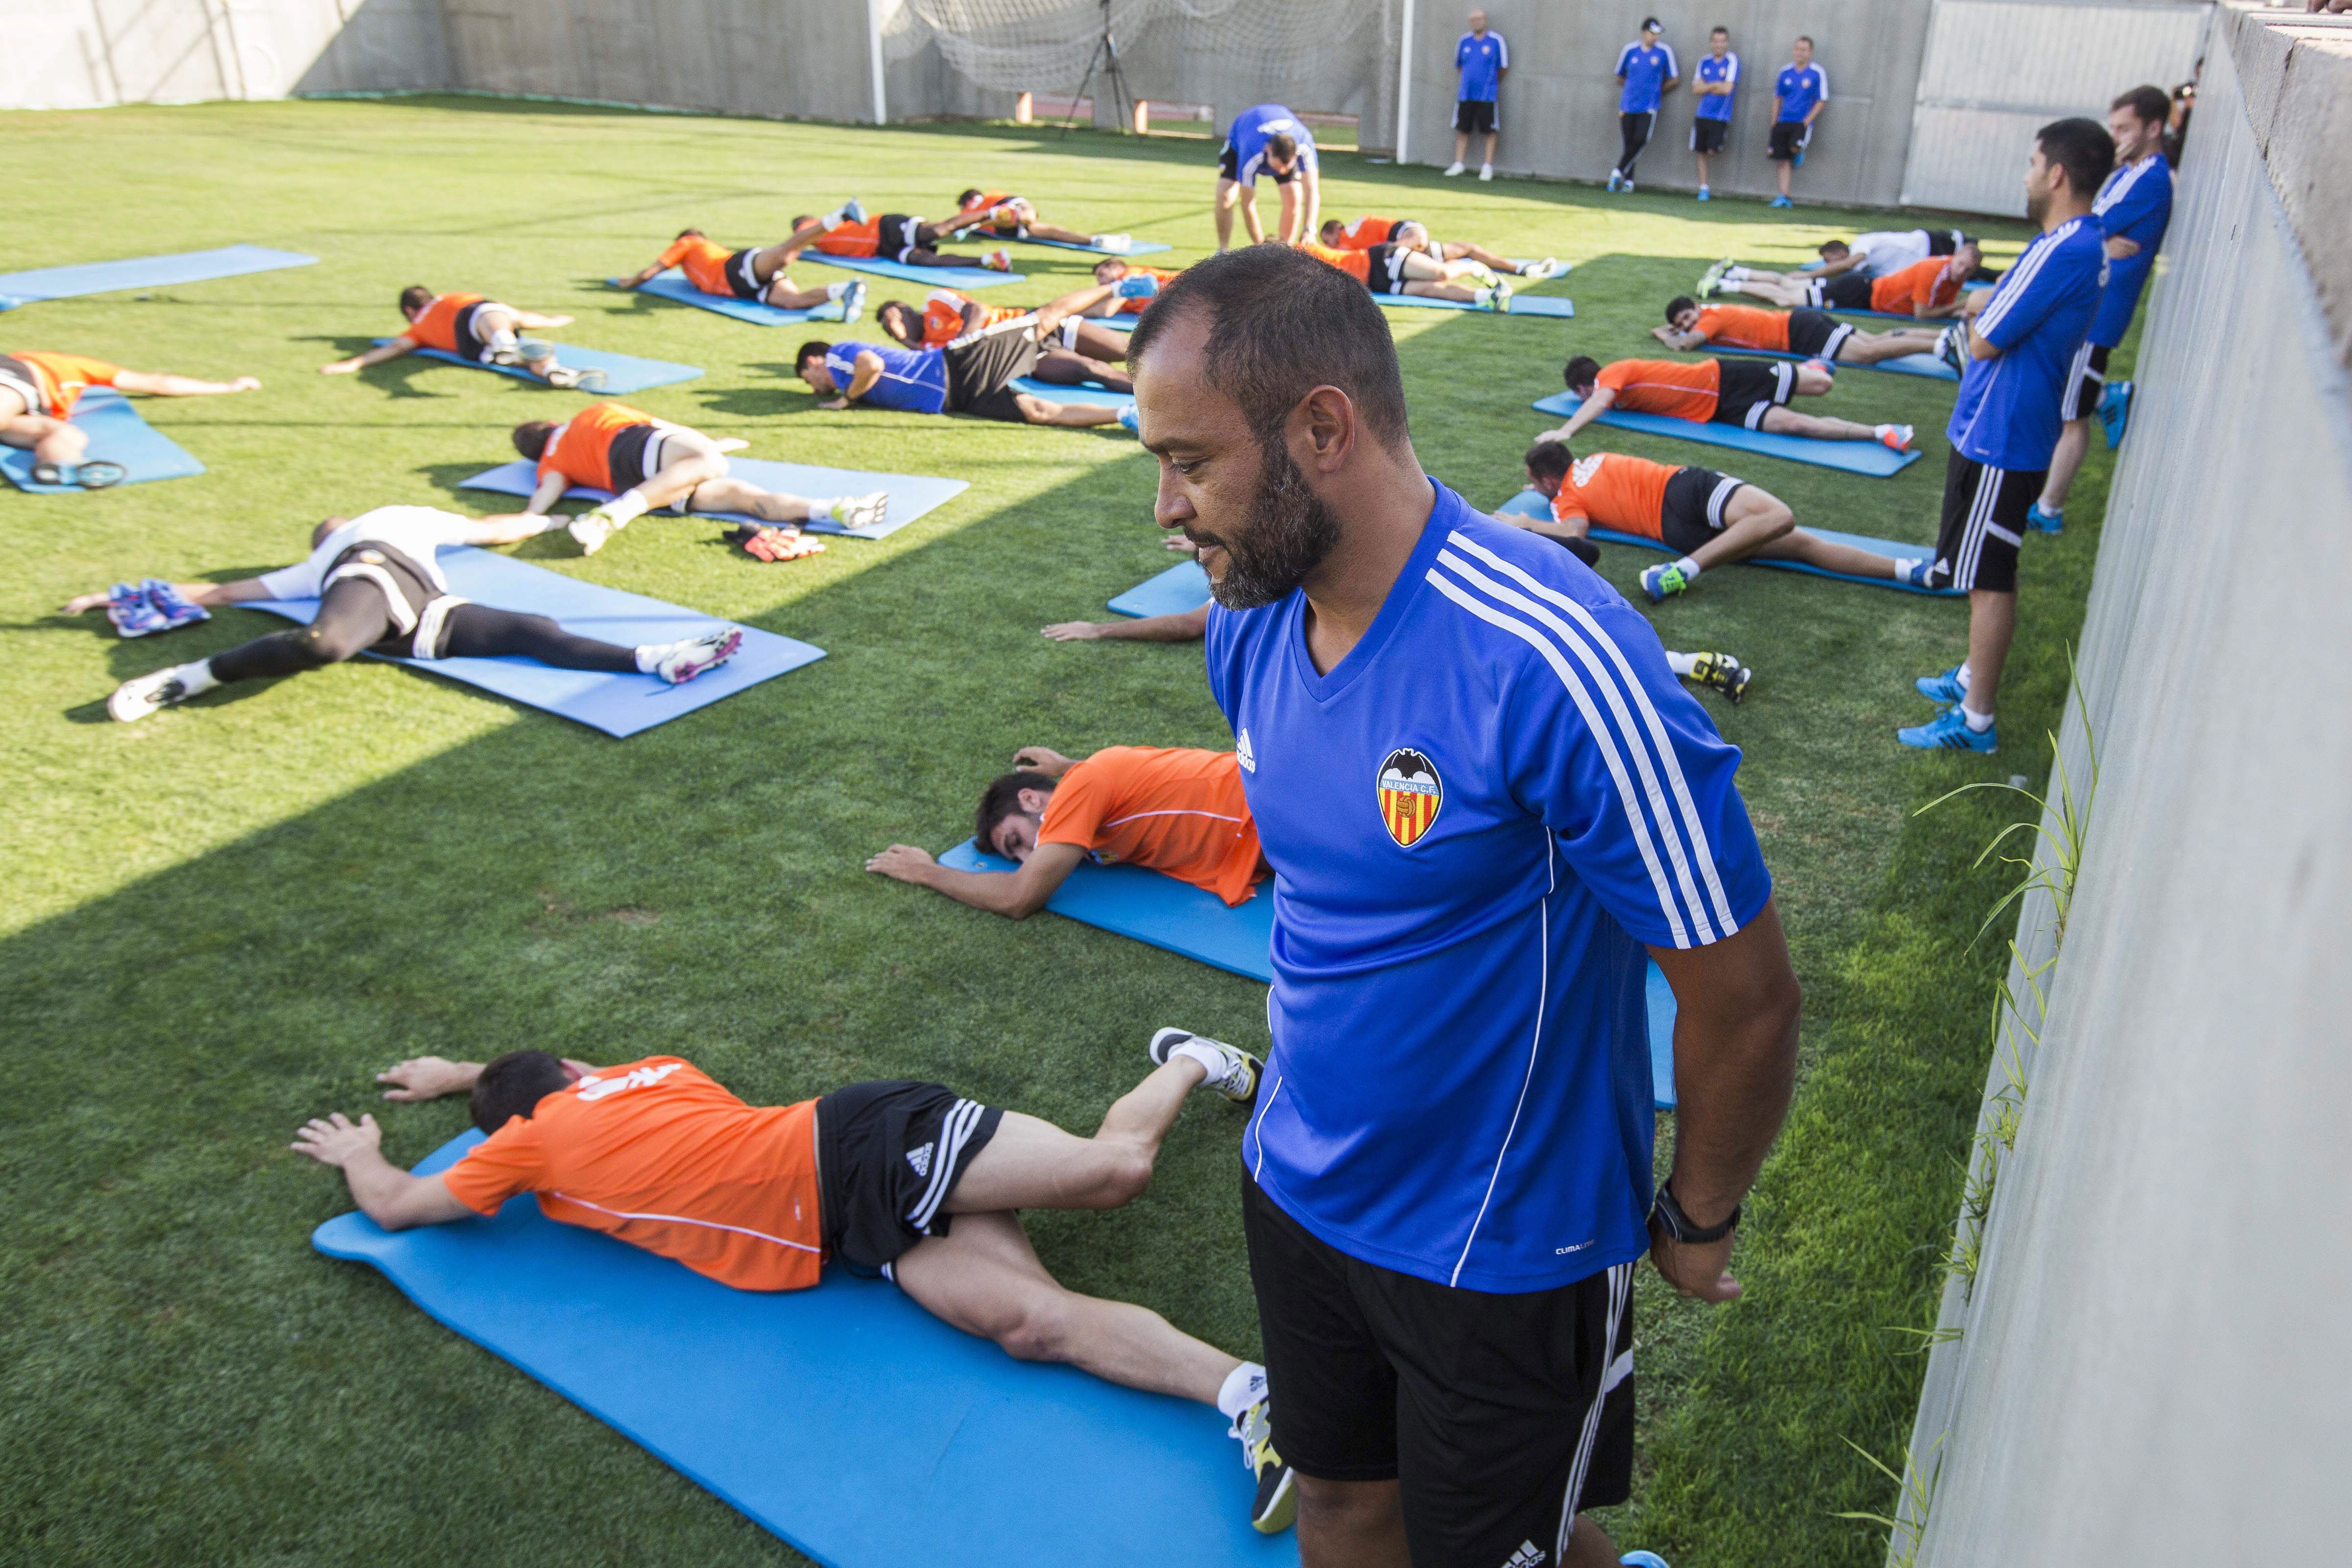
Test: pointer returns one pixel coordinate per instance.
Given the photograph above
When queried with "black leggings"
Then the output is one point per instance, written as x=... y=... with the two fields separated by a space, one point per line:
x=353 y=619
x=1636 y=129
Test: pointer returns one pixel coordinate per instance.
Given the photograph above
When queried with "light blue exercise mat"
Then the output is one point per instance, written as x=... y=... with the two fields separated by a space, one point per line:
x=623 y=373
x=1869 y=458
x=845 y=1419
x=1926 y=365
x=1521 y=304
x=1140 y=247
x=1531 y=503
x=117 y=435
x=1183 y=586
x=620 y=705
x=1053 y=391
x=673 y=285
x=143 y=272
x=937 y=277
x=911 y=495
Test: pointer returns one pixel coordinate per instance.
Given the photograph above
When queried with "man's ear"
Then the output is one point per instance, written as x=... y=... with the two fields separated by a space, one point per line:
x=1034 y=801
x=1326 y=418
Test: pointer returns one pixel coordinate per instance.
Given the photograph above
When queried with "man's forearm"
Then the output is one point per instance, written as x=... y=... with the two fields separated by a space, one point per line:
x=994 y=892
x=378 y=1186
x=1734 y=1063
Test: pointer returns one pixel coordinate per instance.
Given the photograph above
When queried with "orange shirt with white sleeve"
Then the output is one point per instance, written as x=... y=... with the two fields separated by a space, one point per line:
x=1175 y=810
x=1675 y=389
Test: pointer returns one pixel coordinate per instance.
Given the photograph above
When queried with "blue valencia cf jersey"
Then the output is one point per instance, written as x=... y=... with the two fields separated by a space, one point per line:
x=1250 y=129
x=915 y=380
x=2040 y=312
x=1798 y=88
x=1482 y=62
x=1717 y=105
x=2135 y=204
x=1476 y=821
x=1646 y=72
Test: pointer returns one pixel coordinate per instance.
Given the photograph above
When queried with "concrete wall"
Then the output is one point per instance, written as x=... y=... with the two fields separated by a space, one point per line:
x=2150 y=1368
x=82 y=54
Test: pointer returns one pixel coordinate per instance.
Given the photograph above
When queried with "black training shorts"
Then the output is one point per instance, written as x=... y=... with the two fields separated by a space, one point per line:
x=741 y=277
x=625 y=457
x=888 y=1155
x=1815 y=335
x=1384 y=269
x=469 y=341
x=1984 y=524
x=896 y=235
x=1706 y=135
x=1476 y=116
x=1750 y=388
x=1502 y=1416
x=1691 y=513
x=1789 y=139
x=2087 y=383
x=982 y=368
x=1846 y=291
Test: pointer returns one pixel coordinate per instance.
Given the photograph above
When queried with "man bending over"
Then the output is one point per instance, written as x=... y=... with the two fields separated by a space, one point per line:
x=1177 y=810
x=650 y=463
x=907 y=1179
x=1707 y=518
x=1749 y=394
x=1413 y=235
x=1268 y=140
x=1087 y=350
x=893 y=236
x=1928 y=289
x=380 y=590
x=1393 y=270
x=39 y=390
x=1007 y=216
x=973 y=375
x=1811 y=334
x=472 y=328
x=756 y=275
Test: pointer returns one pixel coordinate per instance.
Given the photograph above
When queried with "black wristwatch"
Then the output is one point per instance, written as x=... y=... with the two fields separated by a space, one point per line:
x=1680 y=1225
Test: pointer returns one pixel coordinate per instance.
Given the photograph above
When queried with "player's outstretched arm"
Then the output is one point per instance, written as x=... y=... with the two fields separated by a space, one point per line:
x=1016 y=896
x=1190 y=625
x=211 y=595
x=390 y=349
x=162 y=384
x=385 y=1193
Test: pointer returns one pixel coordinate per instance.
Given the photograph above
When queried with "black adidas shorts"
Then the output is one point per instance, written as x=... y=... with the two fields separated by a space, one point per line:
x=1503 y=1416
x=1789 y=139
x=1846 y=291
x=1984 y=524
x=1707 y=135
x=1751 y=387
x=1691 y=513
x=1383 y=269
x=982 y=368
x=2087 y=383
x=470 y=344
x=741 y=279
x=1474 y=117
x=889 y=1154
x=1815 y=335
x=896 y=235
x=625 y=458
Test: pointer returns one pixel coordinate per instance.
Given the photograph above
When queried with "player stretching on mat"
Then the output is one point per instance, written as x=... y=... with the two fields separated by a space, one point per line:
x=908 y=1180
x=1393 y=270
x=756 y=275
x=1087 y=352
x=1808 y=332
x=650 y=463
x=1004 y=215
x=1413 y=235
x=974 y=375
x=1928 y=289
x=893 y=236
x=1745 y=392
x=1143 y=286
x=39 y=390
x=1706 y=518
x=472 y=328
x=380 y=590
x=1177 y=810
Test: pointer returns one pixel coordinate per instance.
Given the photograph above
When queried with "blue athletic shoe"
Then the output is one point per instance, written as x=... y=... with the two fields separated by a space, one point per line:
x=1137 y=285
x=1643 y=1559
x=176 y=609
x=2042 y=521
x=1779 y=202
x=1949 y=732
x=132 y=612
x=1702 y=193
x=1661 y=583
x=2115 y=411
x=1799 y=161
x=1917 y=574
x=1613 y=178
x=1129 y=420
x=853 y=210
x=1945 y=688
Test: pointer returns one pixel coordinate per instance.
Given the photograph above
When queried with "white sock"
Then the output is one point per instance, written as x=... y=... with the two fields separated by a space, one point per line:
x=198 y=678
x=1213 y=1061
x=1963 y=676
x=624 y=508
x=1682 y=663
x=650 y=655
x=833 y=219
x=1484 y=296
x=1978 y=722
x=1690 y=569
x=1244 y=1386
x=828 y=509
x=502 y=338
x=1737 y=275
x=836 y=291
x=1904 y=565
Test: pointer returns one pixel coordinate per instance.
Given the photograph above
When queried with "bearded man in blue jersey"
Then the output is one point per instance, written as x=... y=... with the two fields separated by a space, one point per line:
x=1483 y=795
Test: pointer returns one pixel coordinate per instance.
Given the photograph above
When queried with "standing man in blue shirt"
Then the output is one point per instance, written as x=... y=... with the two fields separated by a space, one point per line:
x=2134 y=207
x=1484 y=797
x=1271 y=140
x=1800 y=91
x=1481 y=59
x=1714 y=84
x=1646 y=72
x=2013 y=357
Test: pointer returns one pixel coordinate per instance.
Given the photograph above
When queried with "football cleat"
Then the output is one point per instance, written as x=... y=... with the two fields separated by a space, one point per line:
x=1949 y=732
x=1131 y=419
x=998 y=260
x=853 y=302
x=1951 y=349
x=1615 y=179
x=1455 y=168
x=1916 y=573
x=861 y=512
x=1275 y=1507
x=1536 y=271
x=1499 y=298
x=135 y=699
x=853 y=210
x=1779 y=202
x=1712 y=278
x=1117 y=244
x=1722 y=672
x=85 y=475
x=1237 y=1083
x=2039 y=519
x=1703 y=194
x=1945 y=688
x=590 y=530
x=1896 y=437
x=1662 y=583
x=2115 y=411
x=682 y=661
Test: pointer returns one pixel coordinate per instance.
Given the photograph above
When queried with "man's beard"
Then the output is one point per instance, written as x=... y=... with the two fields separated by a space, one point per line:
x=1290 y=532
x=2037 y=203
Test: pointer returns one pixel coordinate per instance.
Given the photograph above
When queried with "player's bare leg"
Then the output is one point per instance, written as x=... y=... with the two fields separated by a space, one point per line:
x=1873 y=348
x=1060 y=367
x=1039 y=411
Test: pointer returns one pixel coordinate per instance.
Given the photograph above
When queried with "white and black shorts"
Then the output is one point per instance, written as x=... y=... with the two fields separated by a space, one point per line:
x=1789 y=139
x=743 y=279
x=896 y=235
x=1691 y=511
x=2087 y=382
x=1815 y=335
x=1751 y=388
x=18 y=377
x=888 y=1157
x=464 y=333
x=1384 y=268
x=1707 y=135
x=1984 y=524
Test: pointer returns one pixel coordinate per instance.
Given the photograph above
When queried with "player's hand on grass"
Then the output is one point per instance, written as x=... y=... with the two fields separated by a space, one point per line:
x=835 y=402
x=246 y=383
x=1072 y=631
x=1043 y=759
x=336 y=1139
x=1700 y=1270
x=902 y=863
x=730 y=444
x=341 y=367
x=427 y=1078
x=83 y=604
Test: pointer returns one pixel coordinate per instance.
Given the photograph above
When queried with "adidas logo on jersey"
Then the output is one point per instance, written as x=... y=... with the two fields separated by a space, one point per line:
x=1529 y=1555
x=920 y=1159
x=1242 y=752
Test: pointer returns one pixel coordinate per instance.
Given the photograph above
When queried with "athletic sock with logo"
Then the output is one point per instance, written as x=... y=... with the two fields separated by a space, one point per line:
x=196 y=678
x=1682 y=663
x=1689 y=569
x=1244 y=1386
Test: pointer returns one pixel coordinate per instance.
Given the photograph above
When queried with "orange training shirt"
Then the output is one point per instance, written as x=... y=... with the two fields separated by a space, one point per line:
x=1356 y=264
x=851 y=238
x=1613 y=491
x=63 y=377
x=1666 y=387
x=943 y=317
x=656 y=1153
x=436 y=326
x=1367 y=232
x=1743 y=327
x=1175 y=810
x=580 y=450
x=1166 y=274
x=1928 y=283
x=704 y=261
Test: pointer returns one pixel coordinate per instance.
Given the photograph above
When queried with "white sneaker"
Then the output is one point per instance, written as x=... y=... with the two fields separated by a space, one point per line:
x=1237 y=1083
x=1453 y=169
x=1536 y=271
x=861 y=512
x=590 y=530
x=1121 y=243
x=853 y=302
x=682 y=661
x=1499 y=297
x=134 y=699
x=1486 y=171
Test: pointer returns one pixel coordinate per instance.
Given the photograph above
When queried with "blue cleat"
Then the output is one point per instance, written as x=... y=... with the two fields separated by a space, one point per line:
x=2041 y=520
x=2115 y=411
x=1613 y=178
x=853 y=210
x=1915 y=574
x=1779 y=202
x=1949 y=732
x=1662 y=583
x=176 y=608
x=1129 y=419
x=1703 y=195
x=1945 y=688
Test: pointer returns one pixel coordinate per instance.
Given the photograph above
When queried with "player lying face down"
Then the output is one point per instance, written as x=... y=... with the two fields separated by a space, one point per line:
x=477 y=329
x=39 y=389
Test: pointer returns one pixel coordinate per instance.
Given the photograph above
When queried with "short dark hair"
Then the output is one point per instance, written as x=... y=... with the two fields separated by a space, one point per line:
x=1549 y=459
x=2149 y=105
x=513 y=1085
x=1677 y=305
x=1282 y=324
x=690 y=233
x=531 y=438
x=884 y=308
x=1002 y=799
x=2083 y=149
x=1806 y=39
x=1581 y=371
x=1652 y=25
x=803 y=220
x=1718 y=32
x=969 y=197
x=1109 y=261
x=1329 y=223
x=416 y=297
x=1841 y=246
x=1283 y=145
x=815 y=348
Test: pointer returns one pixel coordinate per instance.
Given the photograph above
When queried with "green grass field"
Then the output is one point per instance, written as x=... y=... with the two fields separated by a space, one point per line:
x=222 y=920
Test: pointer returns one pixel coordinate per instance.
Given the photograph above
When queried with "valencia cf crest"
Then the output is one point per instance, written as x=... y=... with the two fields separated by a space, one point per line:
x=1410 y=794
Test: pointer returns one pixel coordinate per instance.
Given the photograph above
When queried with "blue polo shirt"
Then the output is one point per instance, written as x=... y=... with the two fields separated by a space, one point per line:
x=1250 y=129
x=1798 y=88
x=913 y=380
x=1717 y=106
x=1482 y=62
x=2135 y=204
x=1646 y=72
x=1476 y=821
x=2040 y=312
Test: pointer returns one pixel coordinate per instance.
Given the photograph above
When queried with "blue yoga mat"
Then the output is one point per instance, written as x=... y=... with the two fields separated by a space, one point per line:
x=1140 y=246
x=118 y=434
x=619 y=705
x=1521 y=304
x=1852 y=457
x=938 y=276
x=911 y=495
x=844 y=1418
x=623 y=373
x=1183 y=586
x=143 y=272
x=1530 y=503
x=673 y=285
x=1101 y=397
x=1926 y=365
